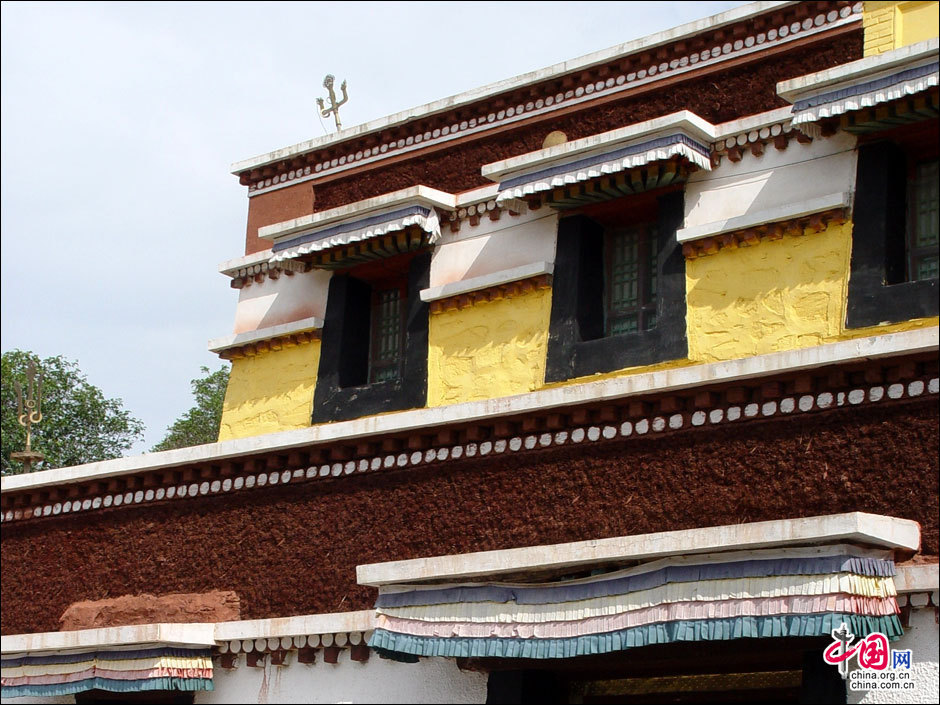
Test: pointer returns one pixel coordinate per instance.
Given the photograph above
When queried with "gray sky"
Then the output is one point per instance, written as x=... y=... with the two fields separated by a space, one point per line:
x=120 y=122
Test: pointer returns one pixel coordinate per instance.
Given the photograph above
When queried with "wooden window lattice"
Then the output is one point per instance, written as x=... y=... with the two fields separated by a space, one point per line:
x=631 y=280
x=924 y=200
x=385 y=357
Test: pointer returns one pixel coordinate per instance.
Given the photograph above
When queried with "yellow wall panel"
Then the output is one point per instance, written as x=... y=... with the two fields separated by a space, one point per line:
x=488 y=350
x=779 y=295
x=891 y=25
x=271 y=391
x=878 y=21
x=918 y=21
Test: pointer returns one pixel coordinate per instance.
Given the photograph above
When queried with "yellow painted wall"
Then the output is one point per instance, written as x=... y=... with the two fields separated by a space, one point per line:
x=779 y=295
x=918 y=21
x=891 y=25
x=488 y=350
x=271 y=391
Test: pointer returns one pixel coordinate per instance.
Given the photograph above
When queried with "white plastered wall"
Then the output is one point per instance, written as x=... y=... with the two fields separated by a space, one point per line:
x=282 y=300
x=922 y=639
x=777 y=178
x=432 y=680
x=494 y=246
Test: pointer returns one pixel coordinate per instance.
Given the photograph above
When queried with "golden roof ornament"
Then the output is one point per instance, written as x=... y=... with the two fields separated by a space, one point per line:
x=334 y=105
x=29 y=412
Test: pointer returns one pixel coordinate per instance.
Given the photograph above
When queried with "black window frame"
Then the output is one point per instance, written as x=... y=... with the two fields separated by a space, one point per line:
x=878 y=292
x=343 y=391
x=577 y=344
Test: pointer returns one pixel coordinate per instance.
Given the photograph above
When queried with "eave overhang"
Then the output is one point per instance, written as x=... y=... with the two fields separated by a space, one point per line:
x=868 y=83
x=613 y=160
x=350 y=227
x=28 y=495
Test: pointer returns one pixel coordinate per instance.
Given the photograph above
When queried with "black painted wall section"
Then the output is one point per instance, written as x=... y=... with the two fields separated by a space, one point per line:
x=342 y=392
x=575 y=345
x=878 y=238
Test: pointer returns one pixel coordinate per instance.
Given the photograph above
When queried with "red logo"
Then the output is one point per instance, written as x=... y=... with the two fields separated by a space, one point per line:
x=872 y=652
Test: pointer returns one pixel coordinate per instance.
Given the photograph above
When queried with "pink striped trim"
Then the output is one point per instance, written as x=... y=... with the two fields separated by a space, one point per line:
x=771 y=606
x=53 y=678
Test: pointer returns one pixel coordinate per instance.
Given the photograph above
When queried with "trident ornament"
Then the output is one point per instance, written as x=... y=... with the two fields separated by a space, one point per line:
x=334 y=106
x=29 y=412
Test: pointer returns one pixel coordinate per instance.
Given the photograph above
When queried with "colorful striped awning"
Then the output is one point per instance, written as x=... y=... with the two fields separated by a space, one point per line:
x=359 y=230
x=809 y=111
x=754 y=594
x=613 y=161
x=131 y=671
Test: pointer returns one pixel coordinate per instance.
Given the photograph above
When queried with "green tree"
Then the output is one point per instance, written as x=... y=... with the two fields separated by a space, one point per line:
x=79 y=425
x=201 y=423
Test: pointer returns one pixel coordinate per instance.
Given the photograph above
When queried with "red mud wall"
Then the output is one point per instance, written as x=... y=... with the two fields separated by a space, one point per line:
x=293 y=550
x=275 y=207
x=718 y=97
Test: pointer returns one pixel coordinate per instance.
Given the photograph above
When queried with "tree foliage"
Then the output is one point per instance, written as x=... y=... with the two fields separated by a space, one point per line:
x=79 y=425
x=201 y=423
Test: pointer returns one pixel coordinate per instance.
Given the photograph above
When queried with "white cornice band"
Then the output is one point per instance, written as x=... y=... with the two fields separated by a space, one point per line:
x=661 y=381
x=853 y=527
x=305 y=325
x=787 y=211
x=504 y=276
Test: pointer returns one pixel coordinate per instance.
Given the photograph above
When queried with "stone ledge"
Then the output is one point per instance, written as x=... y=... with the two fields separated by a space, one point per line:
x=329 y=623
x=486 y=281
x=855 y=527
x=924 y=577
x=110 y=637
x=231 y=343
x=558 y=397
x=790 y=211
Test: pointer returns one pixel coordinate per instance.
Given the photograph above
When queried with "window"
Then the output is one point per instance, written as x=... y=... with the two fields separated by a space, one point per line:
x=373 y=354
x=386 y=335
x=894 y=237
x=618 y=293
x=923 y=201
x=630 y=290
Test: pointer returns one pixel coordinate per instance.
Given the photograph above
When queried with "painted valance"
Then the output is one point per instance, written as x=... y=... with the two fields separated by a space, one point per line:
x=119 y=671
x=866 y=83
x=756 y=594
x=671 y=140
x=359 y=230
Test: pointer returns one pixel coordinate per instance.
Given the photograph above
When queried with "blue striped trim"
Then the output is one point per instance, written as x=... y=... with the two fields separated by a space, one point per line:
x=563 y=592
x=106 y=656
x=832 y=97
x=667 y=633
x=110 y=684
x=606 y=157
x=349 y=227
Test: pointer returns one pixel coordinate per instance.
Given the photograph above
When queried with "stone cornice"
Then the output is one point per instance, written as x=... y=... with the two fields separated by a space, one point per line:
x=610 y=74
x=655 y=403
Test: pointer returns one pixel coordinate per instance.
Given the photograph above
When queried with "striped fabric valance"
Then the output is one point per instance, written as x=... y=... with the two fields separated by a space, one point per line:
x=756 y=594
x=162 y=668
x=622 y=159
x=807 y=112
x=358 y=231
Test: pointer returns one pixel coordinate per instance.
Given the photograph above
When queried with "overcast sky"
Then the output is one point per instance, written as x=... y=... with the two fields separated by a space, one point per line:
x=120 y=122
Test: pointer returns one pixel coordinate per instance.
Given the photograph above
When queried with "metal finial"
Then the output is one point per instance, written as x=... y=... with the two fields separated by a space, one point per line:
x=29 y=412
x=334 y=105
